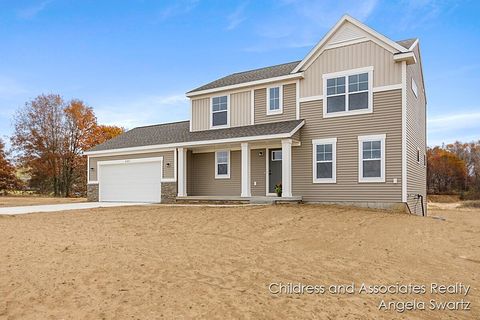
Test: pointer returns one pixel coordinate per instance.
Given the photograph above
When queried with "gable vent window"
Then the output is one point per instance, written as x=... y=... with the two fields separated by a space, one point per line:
x=219 y=111
x=348 y=93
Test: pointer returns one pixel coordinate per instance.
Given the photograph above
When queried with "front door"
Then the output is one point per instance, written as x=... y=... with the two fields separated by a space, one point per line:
x=275 y=169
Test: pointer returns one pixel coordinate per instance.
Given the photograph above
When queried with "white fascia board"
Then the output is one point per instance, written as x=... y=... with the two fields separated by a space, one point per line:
x=246 y=84
x=358 y=24
x=409 y=57
x=166 y=147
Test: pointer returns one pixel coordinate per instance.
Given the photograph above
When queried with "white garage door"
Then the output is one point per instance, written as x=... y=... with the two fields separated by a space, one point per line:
x=136 y=180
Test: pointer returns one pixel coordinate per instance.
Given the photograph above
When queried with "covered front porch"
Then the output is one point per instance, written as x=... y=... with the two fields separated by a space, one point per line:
x=238 y=172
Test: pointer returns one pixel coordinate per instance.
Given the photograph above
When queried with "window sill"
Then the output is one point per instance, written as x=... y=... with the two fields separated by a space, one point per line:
x=324 y=181
x=347 y=113
x=220 y=127
x=371 y=180
x=269 y=113
x=222 y=177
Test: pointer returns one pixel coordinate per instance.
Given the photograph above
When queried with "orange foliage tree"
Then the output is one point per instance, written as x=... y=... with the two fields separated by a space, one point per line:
x=8 y=179
x=446 y=172
x=50 y=136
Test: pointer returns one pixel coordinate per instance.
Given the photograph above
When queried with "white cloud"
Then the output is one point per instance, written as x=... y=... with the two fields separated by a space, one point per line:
x=315 y=17
x=449 y=128
x=144 y=110
x=31 y=11
x=179 y=7
x=237 y=16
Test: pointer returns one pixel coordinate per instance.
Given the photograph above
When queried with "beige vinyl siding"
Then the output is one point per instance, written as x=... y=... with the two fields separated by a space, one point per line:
x=416 y=136
x=289 y=105
x=364 y=54
x=189 y=173
x=168 y=158
x=240 y=109
x=258 y=173
x=203 y=172
x=200 y=114
x=385 y=119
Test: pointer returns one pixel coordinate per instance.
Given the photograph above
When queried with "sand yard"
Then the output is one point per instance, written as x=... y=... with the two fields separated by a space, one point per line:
x=158 y=262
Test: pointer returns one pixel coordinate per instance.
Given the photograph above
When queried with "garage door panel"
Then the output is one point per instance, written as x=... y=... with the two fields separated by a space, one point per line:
x=131 y=182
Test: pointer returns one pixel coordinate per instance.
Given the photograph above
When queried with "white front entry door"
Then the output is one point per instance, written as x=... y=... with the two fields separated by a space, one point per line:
x=136 y=180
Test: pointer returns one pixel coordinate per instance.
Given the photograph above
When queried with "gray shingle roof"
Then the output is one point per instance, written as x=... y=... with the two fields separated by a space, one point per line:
x=251 y=75
x=407 y=43
x=178 y=132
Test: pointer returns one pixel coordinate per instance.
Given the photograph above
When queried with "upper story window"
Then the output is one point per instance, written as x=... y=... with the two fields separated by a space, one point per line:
x=414 y=88
x=219 y=116
x=222 y=164
x=371 y=154
x=324 y=160
x=348 y=92
x=274 y=100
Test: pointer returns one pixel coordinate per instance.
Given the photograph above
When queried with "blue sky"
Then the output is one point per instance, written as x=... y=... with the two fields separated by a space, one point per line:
x=132 y=61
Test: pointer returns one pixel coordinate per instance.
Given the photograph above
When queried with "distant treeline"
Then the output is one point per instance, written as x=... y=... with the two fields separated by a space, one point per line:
x=454 y=169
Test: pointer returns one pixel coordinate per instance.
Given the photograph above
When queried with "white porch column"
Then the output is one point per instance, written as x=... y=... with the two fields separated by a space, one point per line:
x=287 y=168
x=182 y=172
x=246 y=170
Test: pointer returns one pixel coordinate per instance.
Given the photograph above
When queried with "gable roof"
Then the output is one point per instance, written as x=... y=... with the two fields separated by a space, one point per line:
x=251 y=75
x=407 y=43
x=179 y=133
x=347 y=18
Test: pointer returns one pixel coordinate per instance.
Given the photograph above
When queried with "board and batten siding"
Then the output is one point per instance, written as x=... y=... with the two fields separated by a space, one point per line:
x=200 y=114
x=289 y=105
x=364 y=54
x=168 y=157
x=240 y=109
x=385 y=119
x=416 y=136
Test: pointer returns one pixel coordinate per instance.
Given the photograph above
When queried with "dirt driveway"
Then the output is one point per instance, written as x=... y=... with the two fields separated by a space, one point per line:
x=159 y=262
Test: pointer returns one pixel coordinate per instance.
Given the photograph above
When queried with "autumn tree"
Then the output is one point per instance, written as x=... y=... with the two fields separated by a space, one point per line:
x=8 y=179
x=446 y=172
x=50 y=136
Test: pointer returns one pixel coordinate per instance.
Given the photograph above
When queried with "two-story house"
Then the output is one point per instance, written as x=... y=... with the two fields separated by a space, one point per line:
x=346 y=124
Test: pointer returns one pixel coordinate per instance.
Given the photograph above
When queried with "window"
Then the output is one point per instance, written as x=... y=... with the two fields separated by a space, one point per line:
x=424 y=160
x=348 y=93
x=414 y=88
x=222 y=164
x=371 y=154
x=219 y=111
x=324 y=160
x=274 y=99
x=418 y=155
x=277 y=155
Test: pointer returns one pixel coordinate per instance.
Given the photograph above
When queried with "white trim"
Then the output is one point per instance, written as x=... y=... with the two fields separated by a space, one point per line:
x=414 y=44
x=191 y=115
x=223 y=126
x=361 y=139
x=252 y=106
x=349 y=42
x=175 y=165
x=92 y=182
x=120 y=152
x=404 y=131
x=333 y=142
x=409 y=57
x=196 y=143
x=246 y=170
x=280 y=100
x=345 y=74
x=297 y=99
x=388 y=87
x=246 y=84
x=267 y=175
x=335 y=28
x=311 y=98
x=286 y=168
x=222 y=176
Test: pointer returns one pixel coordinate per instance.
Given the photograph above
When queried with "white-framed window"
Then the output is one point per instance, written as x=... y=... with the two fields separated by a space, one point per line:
x=348 y=92
x=222 y=164
x=414 y=88
x=275 y=100
x=276 y=155
x=219 y=112
x=371 y=156
x=325 y=160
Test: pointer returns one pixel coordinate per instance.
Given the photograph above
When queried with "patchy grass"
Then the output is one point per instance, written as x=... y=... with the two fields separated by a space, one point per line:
x=153 y=262
x=471 y=204
x=15 y=201
x=443 y=198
